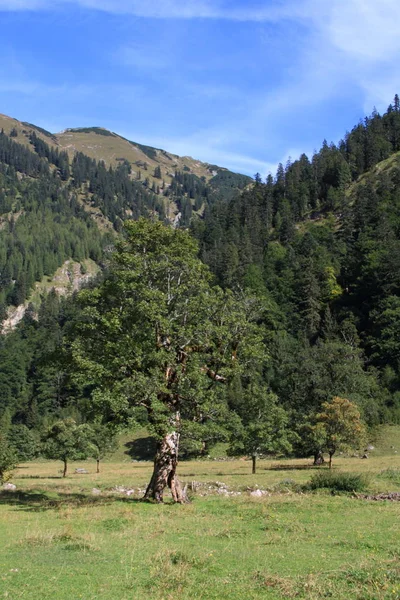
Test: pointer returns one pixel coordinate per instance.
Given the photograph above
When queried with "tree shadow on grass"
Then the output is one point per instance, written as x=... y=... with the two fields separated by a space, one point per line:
x=141 y=449
x=40 y=477
x=37 y=501
x=309 y=467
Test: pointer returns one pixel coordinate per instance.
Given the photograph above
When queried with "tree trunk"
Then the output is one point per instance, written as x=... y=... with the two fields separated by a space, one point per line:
x=98 y=466
x=164 y=473
x=330 y=459
x=65 y=468
x=253 y=460
x=318 y=459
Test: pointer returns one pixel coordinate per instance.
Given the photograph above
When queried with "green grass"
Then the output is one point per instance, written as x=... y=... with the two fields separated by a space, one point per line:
x=58 y=541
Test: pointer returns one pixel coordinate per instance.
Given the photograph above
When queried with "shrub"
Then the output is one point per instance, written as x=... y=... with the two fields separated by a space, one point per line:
x=339 y=482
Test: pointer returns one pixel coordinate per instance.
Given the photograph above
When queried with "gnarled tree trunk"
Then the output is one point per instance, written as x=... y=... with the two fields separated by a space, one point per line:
x=164 y=473
x=318 y=458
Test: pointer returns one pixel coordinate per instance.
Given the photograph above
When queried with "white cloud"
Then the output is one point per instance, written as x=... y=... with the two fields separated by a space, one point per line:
x=366 y=29
x=363 y=36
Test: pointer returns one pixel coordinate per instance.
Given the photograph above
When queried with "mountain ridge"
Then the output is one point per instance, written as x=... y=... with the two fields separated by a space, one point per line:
x=105 y=145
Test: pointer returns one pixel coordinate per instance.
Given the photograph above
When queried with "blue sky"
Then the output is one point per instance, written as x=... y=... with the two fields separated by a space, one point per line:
x=240 y=83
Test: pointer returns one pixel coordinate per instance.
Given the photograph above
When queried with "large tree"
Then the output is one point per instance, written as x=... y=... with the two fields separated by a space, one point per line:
x=157 y=336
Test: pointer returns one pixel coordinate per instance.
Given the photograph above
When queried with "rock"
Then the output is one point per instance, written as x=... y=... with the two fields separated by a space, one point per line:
x=391 y=496
x=10 y=487
x=370 y=447
x=257 y=493
x=365 y=455
x=96 y=491
x=81 y=471
x=130 y=492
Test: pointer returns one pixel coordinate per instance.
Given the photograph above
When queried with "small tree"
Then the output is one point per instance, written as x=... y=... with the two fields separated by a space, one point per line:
x=65 y=440
x=311 y=441
x=103 y=441
x=263 y=428
x=342 y=424
x=8 y=458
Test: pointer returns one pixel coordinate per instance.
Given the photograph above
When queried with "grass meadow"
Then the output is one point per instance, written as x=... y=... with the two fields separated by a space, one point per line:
x=60 y=541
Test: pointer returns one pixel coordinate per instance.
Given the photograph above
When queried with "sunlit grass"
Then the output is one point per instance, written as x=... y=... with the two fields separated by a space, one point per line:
x=59 y=541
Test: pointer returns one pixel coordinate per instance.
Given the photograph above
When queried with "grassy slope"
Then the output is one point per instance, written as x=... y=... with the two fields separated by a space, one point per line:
x=110 y=148
x=61 y=542
x=23 y=130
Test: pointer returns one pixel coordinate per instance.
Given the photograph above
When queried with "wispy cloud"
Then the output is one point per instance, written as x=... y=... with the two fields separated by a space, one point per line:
x=206 y=151
x=169 y=9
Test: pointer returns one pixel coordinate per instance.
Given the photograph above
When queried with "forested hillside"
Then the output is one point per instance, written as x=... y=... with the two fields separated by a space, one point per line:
x=316 y=248
x=320 y=243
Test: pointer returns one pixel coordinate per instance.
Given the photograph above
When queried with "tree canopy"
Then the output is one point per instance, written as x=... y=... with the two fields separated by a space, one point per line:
x=157 y=336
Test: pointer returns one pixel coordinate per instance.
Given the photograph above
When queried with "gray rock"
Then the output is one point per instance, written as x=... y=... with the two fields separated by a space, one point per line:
x=96 y=492
x=81 y=471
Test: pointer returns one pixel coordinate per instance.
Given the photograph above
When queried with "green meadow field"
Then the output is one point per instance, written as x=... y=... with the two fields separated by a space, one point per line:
x=59 y=540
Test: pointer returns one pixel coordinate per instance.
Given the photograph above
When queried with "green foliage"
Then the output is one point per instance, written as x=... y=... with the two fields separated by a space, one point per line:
x=98 y=130
x=263 y=427
x=339 y=482
x=147 y=150
x=43 y=131
x=24 y=442
x=173 y=340
x=66 y=441
x=8 y=458
x=341 y=425
x=226 y=184
x=103 y=440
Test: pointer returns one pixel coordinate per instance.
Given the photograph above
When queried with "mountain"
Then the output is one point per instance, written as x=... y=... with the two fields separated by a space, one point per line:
x=64 y=196
x=155 y=165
